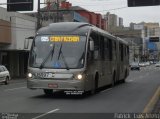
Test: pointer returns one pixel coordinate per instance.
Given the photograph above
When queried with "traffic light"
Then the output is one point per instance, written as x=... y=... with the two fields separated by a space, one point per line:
x=136 y=3
x=154 y=39
x=19 y=5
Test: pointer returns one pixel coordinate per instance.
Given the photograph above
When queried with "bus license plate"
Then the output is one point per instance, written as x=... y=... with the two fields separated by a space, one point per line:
x=52 y=85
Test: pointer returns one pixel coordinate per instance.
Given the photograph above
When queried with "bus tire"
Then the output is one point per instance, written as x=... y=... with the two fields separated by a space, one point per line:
x=113 y=79
x=95 y=88
x=48 y=92
x=124 y=79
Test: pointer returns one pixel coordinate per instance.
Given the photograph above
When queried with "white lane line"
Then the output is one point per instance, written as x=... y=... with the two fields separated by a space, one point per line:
x=46 y=114
x=130 y=81
x=15 y=89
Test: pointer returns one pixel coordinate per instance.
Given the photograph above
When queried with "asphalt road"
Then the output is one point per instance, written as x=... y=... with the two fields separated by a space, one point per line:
x=129 y=97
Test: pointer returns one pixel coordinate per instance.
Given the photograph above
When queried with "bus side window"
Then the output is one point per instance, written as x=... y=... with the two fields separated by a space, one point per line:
x=102 y=52
x=110 y=49
x=96 y=51
x=127 y=52
x=96 y=48
x=114 y=50
x=89 y=52
x=106 y=49
x=121 y=51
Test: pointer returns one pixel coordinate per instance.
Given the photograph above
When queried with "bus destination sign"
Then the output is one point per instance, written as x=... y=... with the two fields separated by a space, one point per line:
x=64 y=38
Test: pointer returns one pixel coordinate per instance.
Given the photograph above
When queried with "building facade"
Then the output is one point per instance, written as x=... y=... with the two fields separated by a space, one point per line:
x=69 y=13
x=150 y=49
x=93 y=18
x=135 y=40
x=16 y=28
x=113 y=22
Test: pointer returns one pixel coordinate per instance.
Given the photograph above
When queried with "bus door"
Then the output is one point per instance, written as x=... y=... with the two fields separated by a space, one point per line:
x=102 y=56
x=108 y=59
x=121 y=60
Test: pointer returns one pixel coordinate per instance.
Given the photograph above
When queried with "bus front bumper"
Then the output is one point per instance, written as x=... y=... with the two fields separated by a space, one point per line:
x=55 y=84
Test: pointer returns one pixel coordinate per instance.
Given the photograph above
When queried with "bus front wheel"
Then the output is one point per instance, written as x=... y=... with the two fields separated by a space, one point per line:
x=48 y=91
x=113 y=79
x=95 y=88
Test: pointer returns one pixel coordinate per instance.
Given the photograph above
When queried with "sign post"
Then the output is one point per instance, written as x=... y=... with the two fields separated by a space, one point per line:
x=23 y=5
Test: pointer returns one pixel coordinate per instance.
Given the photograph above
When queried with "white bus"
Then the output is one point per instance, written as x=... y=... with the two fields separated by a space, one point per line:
x=75 y=58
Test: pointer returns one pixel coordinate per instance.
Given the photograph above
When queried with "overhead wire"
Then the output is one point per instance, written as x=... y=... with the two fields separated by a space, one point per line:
x=112 y=9
x=34 y=28
x=112 y=32
x=9 y=27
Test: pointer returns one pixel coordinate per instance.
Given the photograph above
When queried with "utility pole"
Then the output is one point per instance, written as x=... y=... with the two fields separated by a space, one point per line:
x=38 y=16
x=57 y=11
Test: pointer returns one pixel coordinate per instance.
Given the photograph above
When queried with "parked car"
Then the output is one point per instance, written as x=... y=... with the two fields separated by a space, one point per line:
x=142 y=64
x=157 y=64
x=147 y=63
x=135 y=66
x=151 y=62
x=4 y=75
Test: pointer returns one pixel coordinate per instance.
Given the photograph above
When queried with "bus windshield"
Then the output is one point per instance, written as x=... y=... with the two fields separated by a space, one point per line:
x=58 y=52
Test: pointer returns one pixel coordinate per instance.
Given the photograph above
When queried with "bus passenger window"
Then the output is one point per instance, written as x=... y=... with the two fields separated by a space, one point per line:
x=106 y=49
x=115 y=45
x=89 y=52
x=96 y=54
x=114 y=50
x=110 y=49
x=96 y=51
x=121 y=51
x=102 y=48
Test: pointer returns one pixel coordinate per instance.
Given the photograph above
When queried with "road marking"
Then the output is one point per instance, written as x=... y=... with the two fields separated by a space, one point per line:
x=42 y=115
x=149 y=107
x=130 y=81
x=15 y=89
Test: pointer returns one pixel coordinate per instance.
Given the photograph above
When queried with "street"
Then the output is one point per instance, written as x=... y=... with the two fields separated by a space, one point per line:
x=128 y=97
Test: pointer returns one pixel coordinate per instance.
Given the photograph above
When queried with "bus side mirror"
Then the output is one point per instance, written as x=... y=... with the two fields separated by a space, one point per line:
x=91 y=45
x=26 y=42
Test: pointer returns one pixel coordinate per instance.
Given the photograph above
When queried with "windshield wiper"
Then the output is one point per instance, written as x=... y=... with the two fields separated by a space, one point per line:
x=44 y=61
x=61 y=53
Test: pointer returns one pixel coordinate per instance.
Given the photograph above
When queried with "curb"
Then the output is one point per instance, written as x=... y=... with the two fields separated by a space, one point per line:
x=149 y=107
x=17 y=80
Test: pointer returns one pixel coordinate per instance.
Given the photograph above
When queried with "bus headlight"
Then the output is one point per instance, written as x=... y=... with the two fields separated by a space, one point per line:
x=79 y=76
x=30 y=75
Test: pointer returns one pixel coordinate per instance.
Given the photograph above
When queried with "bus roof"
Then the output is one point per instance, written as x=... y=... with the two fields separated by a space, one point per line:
x=65 y=28
x=72 y=28
x=122 y=40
